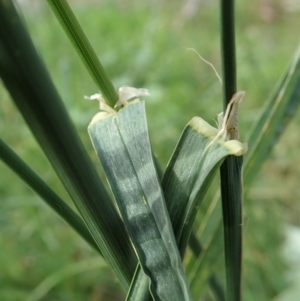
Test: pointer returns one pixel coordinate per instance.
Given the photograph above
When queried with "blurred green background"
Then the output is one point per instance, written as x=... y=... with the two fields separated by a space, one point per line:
x=144 y=44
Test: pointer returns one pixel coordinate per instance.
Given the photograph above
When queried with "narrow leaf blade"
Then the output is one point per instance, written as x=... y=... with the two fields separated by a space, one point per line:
x=14 y=162
x=33 y=92
x=75 y=33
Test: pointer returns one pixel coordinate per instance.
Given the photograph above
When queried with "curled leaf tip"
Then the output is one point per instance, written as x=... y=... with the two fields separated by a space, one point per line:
x=234 y=147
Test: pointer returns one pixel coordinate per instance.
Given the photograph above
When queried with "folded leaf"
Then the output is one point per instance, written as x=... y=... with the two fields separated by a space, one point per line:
x=122 y=143
x=190 y=172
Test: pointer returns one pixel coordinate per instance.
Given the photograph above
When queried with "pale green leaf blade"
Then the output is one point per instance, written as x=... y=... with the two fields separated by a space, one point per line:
x=190 y=172
x=136 y=139
x=126 y=158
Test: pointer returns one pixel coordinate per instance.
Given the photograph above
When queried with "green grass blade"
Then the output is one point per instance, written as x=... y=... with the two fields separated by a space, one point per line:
x=276 y=114
x=122 y=144
x=197 y=285
x=190 y=172
x=206 y=233
x=231 y=191
x=43 y=290
x=139 y=289
x=286 y=97
x=33 y=92
x=72 y=28
x=16 y=164
x=206 y=263
x=230 y=170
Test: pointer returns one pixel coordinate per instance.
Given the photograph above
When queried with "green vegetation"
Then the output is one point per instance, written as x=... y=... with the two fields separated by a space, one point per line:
x=145 y=45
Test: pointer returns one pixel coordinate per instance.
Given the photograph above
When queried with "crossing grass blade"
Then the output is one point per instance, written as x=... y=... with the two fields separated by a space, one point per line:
x=213 y=279
x=207 y=262
x=139 y=289
x=75 y=33
x=122 y=143
x=275 y=116
x=28 y=82
x=16 y=164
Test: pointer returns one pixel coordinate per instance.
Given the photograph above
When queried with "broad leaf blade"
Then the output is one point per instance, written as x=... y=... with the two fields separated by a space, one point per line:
x=123 y=147
x=190 y=172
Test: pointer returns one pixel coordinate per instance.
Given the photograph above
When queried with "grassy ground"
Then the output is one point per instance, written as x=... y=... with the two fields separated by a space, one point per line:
x=145 y=45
